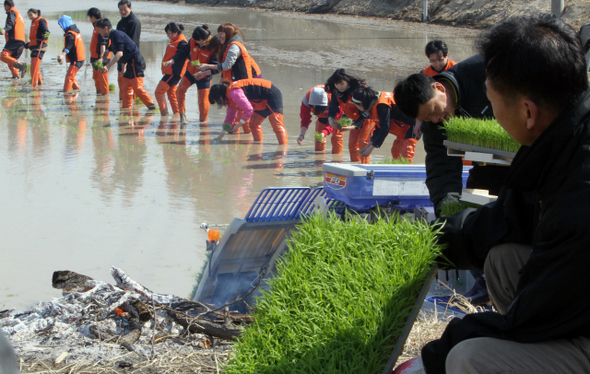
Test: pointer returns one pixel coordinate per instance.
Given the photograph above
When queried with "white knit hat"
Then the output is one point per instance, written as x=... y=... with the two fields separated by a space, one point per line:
x=318 y=96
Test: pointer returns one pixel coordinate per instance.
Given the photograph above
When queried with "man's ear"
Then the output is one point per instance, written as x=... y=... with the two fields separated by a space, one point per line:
x=439 y=87
x=532 y=113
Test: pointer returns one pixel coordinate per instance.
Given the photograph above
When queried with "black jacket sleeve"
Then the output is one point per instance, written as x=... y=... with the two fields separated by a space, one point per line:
x=70 y=42
x=380 y=133
x=10 y=20
x=443 y=172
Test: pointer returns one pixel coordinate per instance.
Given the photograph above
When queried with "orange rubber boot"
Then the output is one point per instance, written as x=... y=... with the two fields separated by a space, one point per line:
x=337 y=142
x=35 y=73
x=70 y=81
x=161 y=96
x=183 y=86
x=126 y=93
x=172 y=98
x=204 y=104
x=101 y=82
x=255 y=122
x=365 y=138
x=319 y=147
x=139 y=91
x=353 y=146
x=122 y=87
x=276 y=121
x=10 y=61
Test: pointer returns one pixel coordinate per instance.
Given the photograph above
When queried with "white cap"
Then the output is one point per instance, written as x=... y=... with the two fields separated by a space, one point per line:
x=318 y=96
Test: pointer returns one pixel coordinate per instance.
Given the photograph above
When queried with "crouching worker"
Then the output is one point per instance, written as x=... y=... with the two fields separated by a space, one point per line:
x=126 y=50
x=533 y=241
x=389 y=120
x=316 y=102
x=257 y=99
x=73 y=52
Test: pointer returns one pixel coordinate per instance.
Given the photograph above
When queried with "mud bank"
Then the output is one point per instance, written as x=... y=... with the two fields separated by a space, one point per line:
x=462 y=13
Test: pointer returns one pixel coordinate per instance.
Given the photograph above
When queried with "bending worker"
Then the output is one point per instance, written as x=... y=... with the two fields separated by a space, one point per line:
x=389 y=120
x=125 y=49
x=257 y=99
x=316 y=102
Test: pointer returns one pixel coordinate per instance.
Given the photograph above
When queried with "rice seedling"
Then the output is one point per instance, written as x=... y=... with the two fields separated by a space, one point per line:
x=28 y=68
x=452 y=207
x=196 y=63
x=111 y=87
x=395 y=161
x=46 y=35
x=344 y=121
x=137 y=100
x=486 y=133
x=227 y=127
x=60 y=60
x=319 y=137
x=97 y=65
x=340 y=297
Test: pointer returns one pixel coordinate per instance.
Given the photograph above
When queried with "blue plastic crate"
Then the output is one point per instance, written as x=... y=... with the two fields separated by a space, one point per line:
x=362 y=187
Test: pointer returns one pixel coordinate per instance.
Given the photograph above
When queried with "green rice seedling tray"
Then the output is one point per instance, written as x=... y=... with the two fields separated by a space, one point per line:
x=479 y=154
x=343 y=300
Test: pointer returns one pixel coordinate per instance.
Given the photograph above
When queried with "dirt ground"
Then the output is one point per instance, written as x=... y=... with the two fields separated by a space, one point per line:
x=462 y=13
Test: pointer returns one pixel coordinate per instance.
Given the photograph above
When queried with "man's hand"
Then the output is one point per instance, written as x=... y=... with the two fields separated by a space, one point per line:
x=418 y=129
x=367 y=150
x=300 y=139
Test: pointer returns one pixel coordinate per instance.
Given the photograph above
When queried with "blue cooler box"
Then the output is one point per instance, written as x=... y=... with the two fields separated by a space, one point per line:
x=363 y=187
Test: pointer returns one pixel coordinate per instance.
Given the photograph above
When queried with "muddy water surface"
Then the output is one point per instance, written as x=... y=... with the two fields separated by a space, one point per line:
x=84 y=188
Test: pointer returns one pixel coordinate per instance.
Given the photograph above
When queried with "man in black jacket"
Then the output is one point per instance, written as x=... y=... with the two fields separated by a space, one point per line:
x=131 y=26
x=459 y=91
x=534 y=241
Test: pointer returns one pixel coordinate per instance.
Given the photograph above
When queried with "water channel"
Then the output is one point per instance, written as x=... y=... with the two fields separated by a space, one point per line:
x=84 y=190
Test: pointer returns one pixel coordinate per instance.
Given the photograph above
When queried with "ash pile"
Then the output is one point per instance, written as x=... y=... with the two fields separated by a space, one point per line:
x=97 y=326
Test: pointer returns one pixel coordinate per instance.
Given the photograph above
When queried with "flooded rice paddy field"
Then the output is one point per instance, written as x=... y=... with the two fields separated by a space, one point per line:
x=85 y=188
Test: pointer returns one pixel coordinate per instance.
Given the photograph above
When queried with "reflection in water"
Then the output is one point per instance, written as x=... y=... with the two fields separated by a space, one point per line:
x=104 y=187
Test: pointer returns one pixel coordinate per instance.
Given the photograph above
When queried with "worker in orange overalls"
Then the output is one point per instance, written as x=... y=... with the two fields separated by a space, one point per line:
x=37 y=44
x=389 y=120
x=73 y=52
x=257 y=99
x=14 y=31
x=316 y=102
x=341 y=85
x=173 y=67
x=98 y=47
x=128 y=53
x=438 y=55
x=203 y=49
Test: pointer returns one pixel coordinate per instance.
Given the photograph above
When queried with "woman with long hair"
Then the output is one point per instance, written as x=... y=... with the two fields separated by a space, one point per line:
x=173 y=67
x=203 y=49
x=257 y=99
x=341 y=85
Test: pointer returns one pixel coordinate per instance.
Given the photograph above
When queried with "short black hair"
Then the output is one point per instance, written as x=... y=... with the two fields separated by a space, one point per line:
x=436 y=46
x=412 y=92
x=540 y=57
x=10 y=3
x=124 y=2
x=365 y=96
x=105 y=22
x=94 y=12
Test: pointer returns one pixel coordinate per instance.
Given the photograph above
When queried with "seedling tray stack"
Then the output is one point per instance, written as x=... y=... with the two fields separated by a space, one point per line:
x=480 y=140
